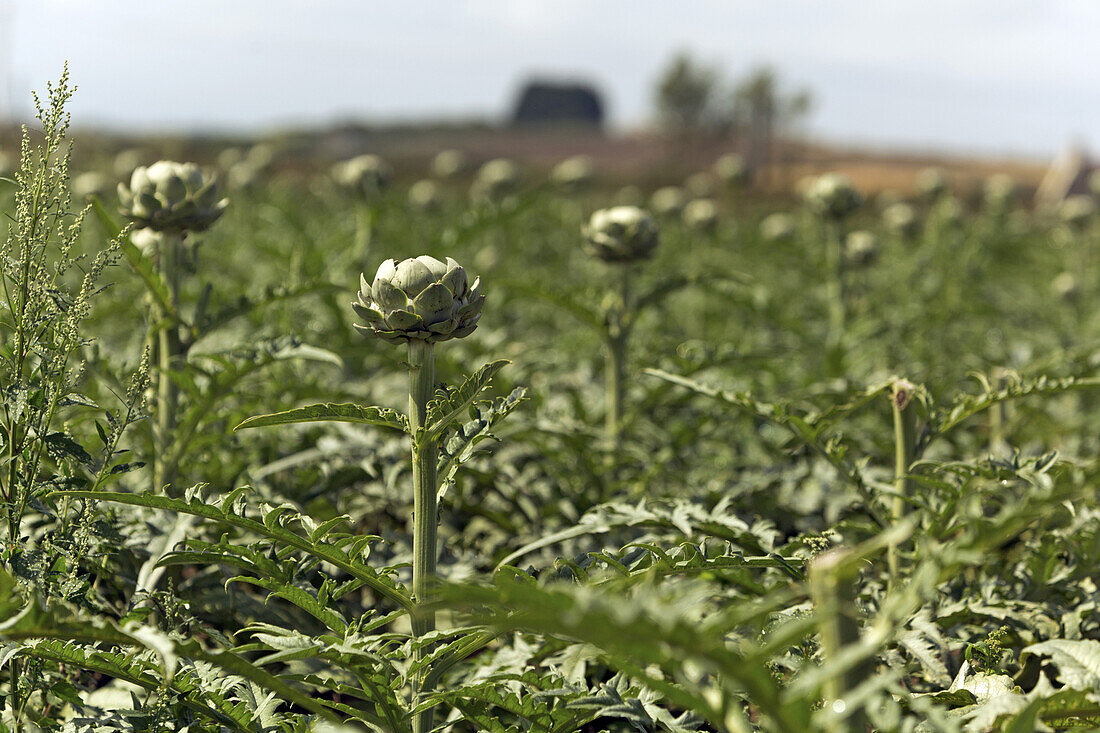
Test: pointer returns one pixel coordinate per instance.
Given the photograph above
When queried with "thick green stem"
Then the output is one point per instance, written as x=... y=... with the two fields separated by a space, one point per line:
x=618 y=331
x=834 y=592
x=836 y=292
x=905 y=445
x=425 y=524
x=168 y=354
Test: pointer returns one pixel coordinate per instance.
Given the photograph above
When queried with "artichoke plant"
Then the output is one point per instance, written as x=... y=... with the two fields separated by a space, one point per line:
x=419 y=299
x=832 y=196
x=621 y=234
x=171 y=197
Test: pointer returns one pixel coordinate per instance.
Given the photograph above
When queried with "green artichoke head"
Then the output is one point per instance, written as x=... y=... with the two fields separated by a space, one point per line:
x=621 y=234
x=574 y=173
x=1077 y=210
x=668 y=201
x=449 y=164
x=171 y=197
x=833 y=196
x=932 y=183
x=364 y=175
x=861 y=248
x=495 y=180
x=425 y=195
x=701 y=214
x=732 y=170
x=778 y=227
x=421 y=299
x=901 y=219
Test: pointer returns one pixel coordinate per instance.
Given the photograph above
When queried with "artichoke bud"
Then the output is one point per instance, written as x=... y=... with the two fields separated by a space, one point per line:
x=573 y=174
x=1077 y=211
x=365 y=175
x=701 y=215
x=171 y=197
x=419 y=298
x=901 y=219
x=668 y=201
x=832 y=196
x=778 y=227
x=861 y=248
x=621 y=234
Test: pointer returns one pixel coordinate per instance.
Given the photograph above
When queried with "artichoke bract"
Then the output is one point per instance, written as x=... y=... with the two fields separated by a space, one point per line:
x=621 y=234
x=419 y=299
x=171 y=197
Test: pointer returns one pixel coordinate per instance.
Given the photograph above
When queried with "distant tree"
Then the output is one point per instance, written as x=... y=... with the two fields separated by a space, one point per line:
x=693 y=98
x=761 y=111
x=685 y=95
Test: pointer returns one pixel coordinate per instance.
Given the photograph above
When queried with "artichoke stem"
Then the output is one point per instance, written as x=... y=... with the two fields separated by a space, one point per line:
x=618 y=328
x=834 y=592
x=425 y=526
x=836 y=295
x=169 y=350
x=905 y=445
x=364 y=227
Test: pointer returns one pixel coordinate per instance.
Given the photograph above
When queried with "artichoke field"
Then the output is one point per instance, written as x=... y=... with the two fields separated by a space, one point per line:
x=757 y=463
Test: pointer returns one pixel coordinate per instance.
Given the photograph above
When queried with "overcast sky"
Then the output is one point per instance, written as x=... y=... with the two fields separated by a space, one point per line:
x=1000 y=76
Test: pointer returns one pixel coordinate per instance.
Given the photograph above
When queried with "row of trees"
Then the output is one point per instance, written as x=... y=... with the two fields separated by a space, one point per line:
x=694 y=99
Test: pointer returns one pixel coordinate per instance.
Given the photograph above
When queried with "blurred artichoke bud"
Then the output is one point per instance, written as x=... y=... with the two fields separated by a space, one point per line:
x=229 y=157
x=701 y=215
x=629 y=195
x=833 y=196
x=496 y=179
x=998 y=191
x=364 y=175
x=668 y=201
x=861 y=248
x=931 y=183
x=171 y=196
x=900 y=219
x=948 y=210
x=732 y=170
x=621 y=234
x=574 y=173
x=449 y=164
x=243 y=175
x=700 y=185
x=1077 y=211
x=1065 y=286
x=778 y=227
x=420 y=299
x=424 y=195
x=91 y=183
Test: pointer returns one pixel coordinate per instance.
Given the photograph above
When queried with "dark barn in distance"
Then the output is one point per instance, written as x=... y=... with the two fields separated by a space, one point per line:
x=552 y=103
